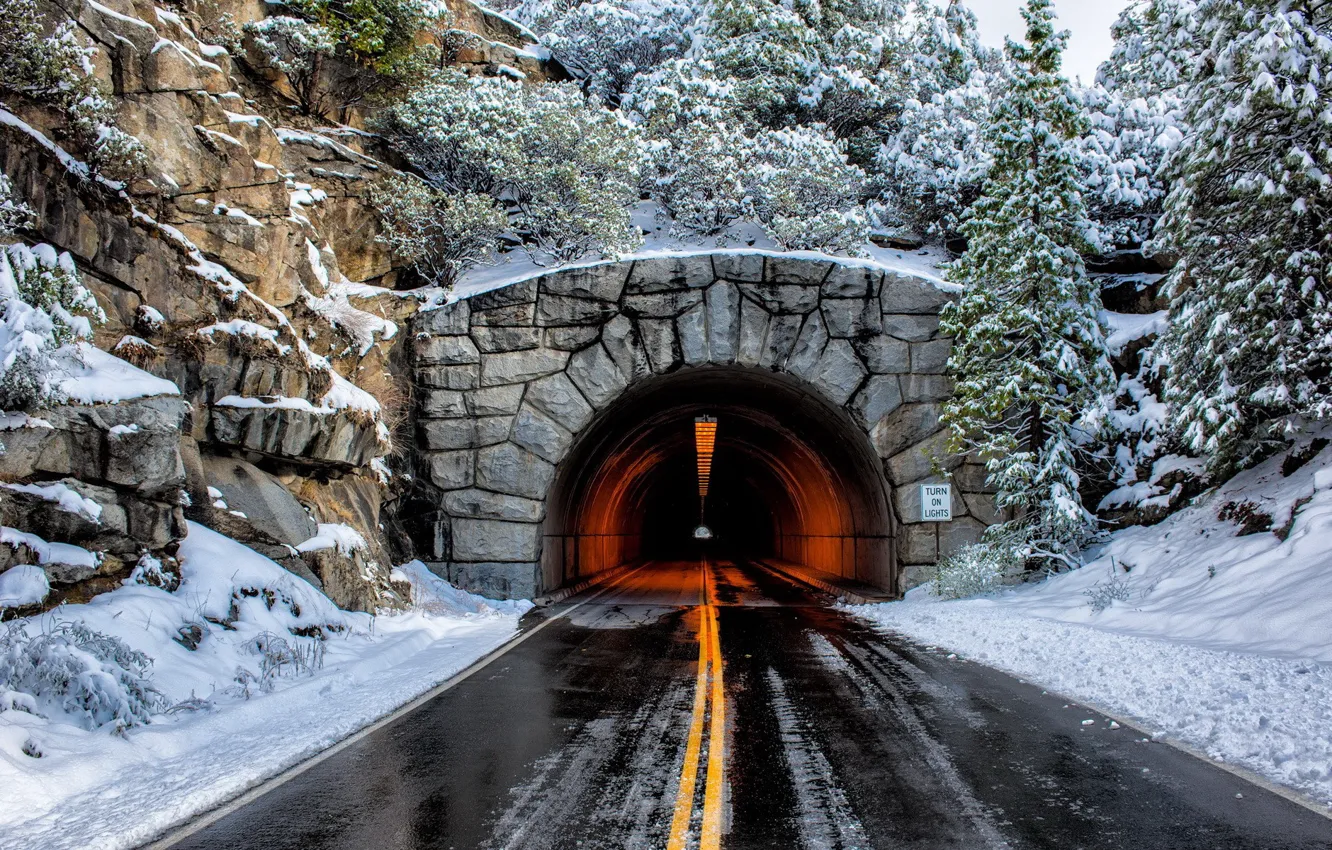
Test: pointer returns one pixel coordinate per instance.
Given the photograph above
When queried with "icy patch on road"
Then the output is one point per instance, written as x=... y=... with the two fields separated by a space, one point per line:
x=1214 y=638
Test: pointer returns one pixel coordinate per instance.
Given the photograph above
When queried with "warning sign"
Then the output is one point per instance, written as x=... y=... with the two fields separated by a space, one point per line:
x=936 y=502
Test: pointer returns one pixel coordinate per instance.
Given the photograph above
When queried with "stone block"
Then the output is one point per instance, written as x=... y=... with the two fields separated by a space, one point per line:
x=267 y=505
x=622 y=344
x=838 y=372
x=930 y=358
x=482 y=504
x=852 y=317
x=782 y=298
x=442 y=404
x=971 y=477
x=880 y=396
x=512 y=367
x=753 y=331
x=493 y=340
x=848 y=281
x=493 y=580
x=909 y=424
x=449 y=319
x=918 y=461
x=885 y=356
x=513 y=294
x=918 y=544
x=958 y=534
x=494 y=401
x=540 y=434
x=495 y=540
x=723 y=307
x=557 y=396
x=662 y=274
x=562 y=310
x=604 y=281
x=809 y=347
x=781 y=340
x=912 y=328
x=452 y=470
x=981 y=506
x=907 y=500
x=926 y=388
x=659 y=343
x=692 y=328
x=507 y=468
x=467 y=433
x=570 y=338
x=515 y=316
x=905 y=294
x=595 y=374
x=450 y=377
x=741 y=268
x=782 y=270
x=661 y=305
x=446 y=351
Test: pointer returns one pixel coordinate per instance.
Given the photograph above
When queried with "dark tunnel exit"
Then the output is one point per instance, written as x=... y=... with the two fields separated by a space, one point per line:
x=792 y=479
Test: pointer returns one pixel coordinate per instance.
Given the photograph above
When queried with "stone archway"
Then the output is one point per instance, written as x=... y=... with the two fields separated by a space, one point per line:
x=510 y=380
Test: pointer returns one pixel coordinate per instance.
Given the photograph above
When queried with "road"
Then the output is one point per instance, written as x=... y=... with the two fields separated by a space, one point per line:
x=693 y=706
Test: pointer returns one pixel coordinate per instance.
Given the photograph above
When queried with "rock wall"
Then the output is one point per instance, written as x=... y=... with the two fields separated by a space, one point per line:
x=508 y=380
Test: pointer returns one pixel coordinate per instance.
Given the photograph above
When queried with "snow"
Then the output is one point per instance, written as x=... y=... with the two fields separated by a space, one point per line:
x=100 y=791
x=1131 y=327
x=338 y=536
x=23 y=585
x=101 y=378
x=1219 y=641
x=48 y=553
x=69 y=500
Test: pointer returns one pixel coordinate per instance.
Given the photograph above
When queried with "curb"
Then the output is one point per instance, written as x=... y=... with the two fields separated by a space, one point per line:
x=565 y=592
x=840 y=593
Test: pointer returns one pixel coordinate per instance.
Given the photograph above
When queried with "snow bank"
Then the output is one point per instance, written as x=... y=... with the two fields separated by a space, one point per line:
x=1214 y=639
x=101 y=378
x=233 y=722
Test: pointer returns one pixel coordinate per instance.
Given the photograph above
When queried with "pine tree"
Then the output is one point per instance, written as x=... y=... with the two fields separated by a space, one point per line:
x=1249 y=215
x=1029 y=355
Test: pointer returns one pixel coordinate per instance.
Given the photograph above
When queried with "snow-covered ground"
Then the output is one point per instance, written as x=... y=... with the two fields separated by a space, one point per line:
x=234 y=714
x=1219 y=641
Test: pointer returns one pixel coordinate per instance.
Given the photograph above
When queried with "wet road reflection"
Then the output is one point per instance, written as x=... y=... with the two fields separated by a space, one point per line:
x=831 y=736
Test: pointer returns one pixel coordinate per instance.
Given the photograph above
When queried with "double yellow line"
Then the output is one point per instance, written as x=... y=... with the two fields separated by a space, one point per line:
x=708 y=688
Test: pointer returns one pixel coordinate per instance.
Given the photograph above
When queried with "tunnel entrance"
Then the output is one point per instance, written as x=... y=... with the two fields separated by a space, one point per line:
x=792 y=478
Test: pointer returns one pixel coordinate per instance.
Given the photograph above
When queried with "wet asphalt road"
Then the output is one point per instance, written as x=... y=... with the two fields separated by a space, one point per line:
x=835 y=737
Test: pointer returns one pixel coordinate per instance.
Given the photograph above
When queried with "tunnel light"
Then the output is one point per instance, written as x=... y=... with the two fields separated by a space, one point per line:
x=705 y=440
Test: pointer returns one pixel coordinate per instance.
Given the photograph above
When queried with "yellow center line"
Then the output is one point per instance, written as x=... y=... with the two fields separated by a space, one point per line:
x=709 y=660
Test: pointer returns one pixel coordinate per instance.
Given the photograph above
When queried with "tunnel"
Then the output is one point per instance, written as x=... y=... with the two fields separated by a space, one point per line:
x=793 y=481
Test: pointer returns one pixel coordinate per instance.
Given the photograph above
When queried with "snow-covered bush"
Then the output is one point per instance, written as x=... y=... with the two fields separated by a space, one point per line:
x=698 y=175
x=1251 y=313
x=72 y=669
x=567 y=168
x=56 y=70
x=980 y=568
x=14 y=213
x=297 y=48
x=805 y=193
x=608 y=43
x=439 y=234
x=45 y=306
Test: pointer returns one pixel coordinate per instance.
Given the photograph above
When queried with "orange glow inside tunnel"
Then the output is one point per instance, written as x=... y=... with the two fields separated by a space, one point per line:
x=787 y=476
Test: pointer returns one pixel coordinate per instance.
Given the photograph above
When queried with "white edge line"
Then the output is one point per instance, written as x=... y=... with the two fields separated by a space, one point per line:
x=211 y=817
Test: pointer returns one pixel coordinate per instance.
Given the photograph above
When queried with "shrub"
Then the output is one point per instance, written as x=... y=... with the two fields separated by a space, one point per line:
x=297 y=48
x=75 y=670
x=55 y=70
x=14 y=214
x=980 y=568
x=568 y=169
x=610 y=42
x=439 y=234
x=805 y=193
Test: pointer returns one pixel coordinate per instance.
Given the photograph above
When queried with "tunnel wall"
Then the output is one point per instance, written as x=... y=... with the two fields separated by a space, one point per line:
x=508 y=383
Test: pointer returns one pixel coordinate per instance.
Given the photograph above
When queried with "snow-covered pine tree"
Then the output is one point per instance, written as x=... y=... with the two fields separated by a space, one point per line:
x=1250 y=339
x=1029 y=356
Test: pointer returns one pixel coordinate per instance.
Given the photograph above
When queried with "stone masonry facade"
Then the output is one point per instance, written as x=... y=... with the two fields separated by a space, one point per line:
x=508 y=379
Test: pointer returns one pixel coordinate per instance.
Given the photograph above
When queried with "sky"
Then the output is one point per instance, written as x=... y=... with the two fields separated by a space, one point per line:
x=1088 y=21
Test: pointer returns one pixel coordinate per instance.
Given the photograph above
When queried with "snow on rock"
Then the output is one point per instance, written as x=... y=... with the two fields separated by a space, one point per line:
x=48 y=553
x=23 y=585
x=335 y=535
x=1206 y=636
x=66 y=499
x=100 y=378
x=434 y=595
x=1131 y=327
x=236 y=718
